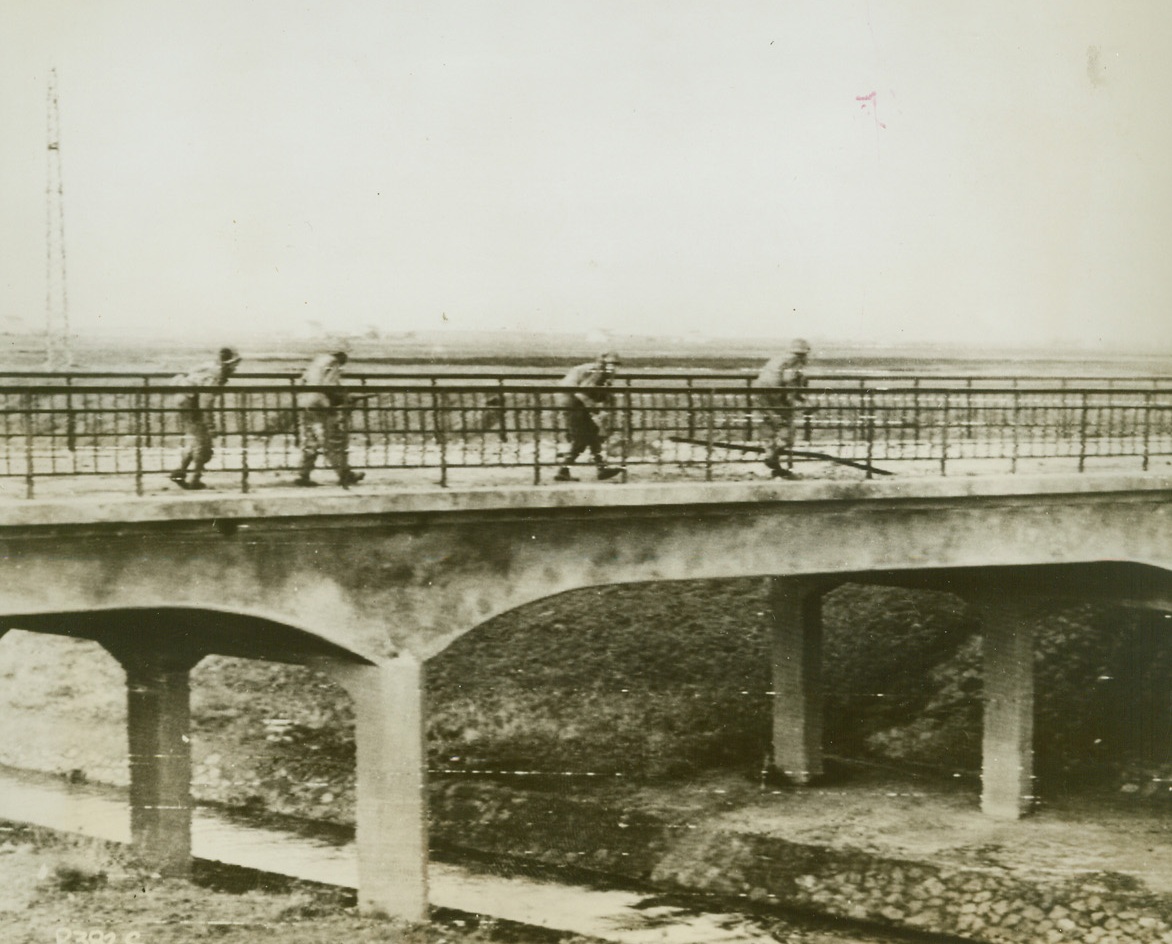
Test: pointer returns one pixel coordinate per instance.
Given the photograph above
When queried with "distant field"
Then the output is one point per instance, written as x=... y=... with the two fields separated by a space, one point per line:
x=553 y=351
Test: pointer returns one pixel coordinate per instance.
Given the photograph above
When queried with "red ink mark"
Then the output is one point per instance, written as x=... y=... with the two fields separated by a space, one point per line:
x=871 y=101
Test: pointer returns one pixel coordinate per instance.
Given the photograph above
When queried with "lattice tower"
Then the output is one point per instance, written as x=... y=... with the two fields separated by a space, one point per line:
x=58 y=353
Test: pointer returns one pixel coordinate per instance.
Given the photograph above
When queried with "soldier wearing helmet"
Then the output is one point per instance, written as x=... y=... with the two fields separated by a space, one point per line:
x=782 y=379
x=325 y=420
x=197 y=418
x=583 y=404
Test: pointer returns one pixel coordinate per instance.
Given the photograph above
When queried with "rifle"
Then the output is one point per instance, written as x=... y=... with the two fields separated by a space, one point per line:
x=804 y=453
x=352 y=399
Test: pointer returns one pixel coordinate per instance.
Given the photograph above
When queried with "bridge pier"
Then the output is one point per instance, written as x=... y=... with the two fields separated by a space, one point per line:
x=1007 y=770
x=159 y=727
x=796 y=659
x=391 y=785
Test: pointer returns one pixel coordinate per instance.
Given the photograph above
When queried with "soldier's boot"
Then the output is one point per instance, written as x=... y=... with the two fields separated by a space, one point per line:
x=563 y=475
x=179 y=476
x=603 y=470
x=303 y=478
x=350 y=477
x=773 y=463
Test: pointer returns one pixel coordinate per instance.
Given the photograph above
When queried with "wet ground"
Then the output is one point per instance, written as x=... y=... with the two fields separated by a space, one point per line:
x=460 y=893
x=871 y=811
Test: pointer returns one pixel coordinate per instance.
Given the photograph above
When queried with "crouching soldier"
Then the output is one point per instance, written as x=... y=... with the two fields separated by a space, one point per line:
x=325 y=420
x=583 y=406
x=783 y=378
x=197 y=416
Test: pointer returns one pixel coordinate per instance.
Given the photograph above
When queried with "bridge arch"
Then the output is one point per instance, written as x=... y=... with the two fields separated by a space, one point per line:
x=1001 y=597
x=187 y=630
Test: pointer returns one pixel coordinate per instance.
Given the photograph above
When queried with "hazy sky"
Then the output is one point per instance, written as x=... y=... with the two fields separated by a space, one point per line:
x=992 y=172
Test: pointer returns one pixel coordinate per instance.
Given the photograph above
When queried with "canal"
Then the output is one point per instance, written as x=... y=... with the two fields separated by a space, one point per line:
x=324 y=856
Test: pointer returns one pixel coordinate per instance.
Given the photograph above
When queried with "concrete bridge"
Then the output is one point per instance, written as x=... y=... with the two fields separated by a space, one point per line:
x=368 y=587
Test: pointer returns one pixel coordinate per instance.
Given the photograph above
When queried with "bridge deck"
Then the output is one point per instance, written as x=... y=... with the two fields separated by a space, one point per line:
x=98 y=501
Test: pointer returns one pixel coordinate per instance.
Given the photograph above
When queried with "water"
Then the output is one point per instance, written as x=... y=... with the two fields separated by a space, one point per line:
x=620 y=916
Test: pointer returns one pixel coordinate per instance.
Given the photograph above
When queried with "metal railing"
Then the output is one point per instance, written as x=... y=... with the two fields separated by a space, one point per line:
x=132 y=433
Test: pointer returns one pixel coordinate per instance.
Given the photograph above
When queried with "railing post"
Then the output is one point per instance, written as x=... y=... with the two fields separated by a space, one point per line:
x=365 y=403
x=296 y=412
x=1147 y=429
x=139 y=423
x=146 y=418
x=1015 y=420
x=70 y=423
x=691 y=411
x=536 y=397
x=749 y=409
x=441 y=438
x=220 y=411
x=242 y=412
x=916 y=413
x=710 y=424
x=1082 y=432
x=28 y=445
x=869 y=421
x=502 y=411
x=944 y=435
x=628 y=427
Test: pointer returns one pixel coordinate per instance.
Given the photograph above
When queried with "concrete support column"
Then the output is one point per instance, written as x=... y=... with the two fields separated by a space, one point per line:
x=159 y=735
x=1007 y=773
x=796 y=655
x=392 y=784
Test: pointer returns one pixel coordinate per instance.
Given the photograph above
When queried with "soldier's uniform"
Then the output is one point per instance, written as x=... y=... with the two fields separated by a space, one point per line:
x=586 y=396
x=780 y=408
x=197 y=416
x=325 y=420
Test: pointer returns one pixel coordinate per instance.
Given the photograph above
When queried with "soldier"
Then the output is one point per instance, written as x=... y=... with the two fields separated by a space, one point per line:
x=197 y=417
x=780 y=407
x=583 y=405
x=325 y=420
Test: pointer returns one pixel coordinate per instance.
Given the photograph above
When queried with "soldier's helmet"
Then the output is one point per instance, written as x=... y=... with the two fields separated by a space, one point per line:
x=609 y=360
x=229 y=357
x=800 y=346
x=341 y=356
